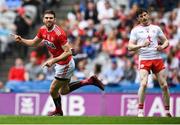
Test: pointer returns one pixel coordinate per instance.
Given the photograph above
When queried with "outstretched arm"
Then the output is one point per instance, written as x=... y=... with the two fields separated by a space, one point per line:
x=27 y=42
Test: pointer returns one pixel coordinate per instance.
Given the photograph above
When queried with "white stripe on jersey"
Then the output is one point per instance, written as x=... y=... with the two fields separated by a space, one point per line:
x=57 y=31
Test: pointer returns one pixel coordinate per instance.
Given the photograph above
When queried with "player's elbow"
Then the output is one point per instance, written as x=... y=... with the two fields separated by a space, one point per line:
x=68 y=52
x=167 y=43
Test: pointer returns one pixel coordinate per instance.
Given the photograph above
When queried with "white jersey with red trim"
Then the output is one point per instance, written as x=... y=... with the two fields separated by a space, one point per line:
x=140 y=34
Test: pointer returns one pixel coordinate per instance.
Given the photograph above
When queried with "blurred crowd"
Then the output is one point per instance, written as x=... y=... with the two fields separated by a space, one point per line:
x=98 y=30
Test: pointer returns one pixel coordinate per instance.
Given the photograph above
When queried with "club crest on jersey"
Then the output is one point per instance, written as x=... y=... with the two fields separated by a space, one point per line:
x=49 y=44
x=141 y=32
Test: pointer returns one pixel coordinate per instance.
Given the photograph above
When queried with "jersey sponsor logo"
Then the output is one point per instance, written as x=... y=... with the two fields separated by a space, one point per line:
x=49 y=44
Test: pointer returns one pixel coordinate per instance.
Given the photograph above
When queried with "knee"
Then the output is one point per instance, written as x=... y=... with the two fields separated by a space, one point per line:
x=143 y=85
x=64 y=92
x=164 y=87
x=144 y=82
x=53 y=92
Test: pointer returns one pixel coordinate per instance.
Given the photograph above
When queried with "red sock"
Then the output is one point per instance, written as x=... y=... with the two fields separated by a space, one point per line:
x=167 y=107
x=57 y=101
x=140 y=106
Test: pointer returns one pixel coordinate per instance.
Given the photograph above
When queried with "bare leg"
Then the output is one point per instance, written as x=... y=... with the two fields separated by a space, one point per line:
x=141 y=92
x=56 y=85
x=161 y=76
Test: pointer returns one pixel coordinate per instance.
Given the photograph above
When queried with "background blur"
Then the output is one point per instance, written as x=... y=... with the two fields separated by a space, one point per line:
x=99 y=31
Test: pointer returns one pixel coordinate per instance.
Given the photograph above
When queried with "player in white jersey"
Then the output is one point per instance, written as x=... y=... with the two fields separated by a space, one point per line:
x=144 y=39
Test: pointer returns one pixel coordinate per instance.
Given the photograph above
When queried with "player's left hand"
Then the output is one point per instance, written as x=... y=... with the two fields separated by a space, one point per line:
x=74 y=53
x=159 y=48
x=48 y=63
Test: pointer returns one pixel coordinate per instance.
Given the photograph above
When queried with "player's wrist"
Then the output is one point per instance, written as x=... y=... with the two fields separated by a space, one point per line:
x=140 y=46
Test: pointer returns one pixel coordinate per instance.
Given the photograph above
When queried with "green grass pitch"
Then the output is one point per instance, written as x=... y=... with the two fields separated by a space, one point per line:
x=87 y=120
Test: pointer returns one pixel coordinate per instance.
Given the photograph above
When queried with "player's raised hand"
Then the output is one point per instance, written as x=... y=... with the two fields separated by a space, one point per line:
x=16 y=37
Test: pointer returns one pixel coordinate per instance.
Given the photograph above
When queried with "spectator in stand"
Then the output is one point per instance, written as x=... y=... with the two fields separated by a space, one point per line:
x=34 y=71
x=100 y=33
x=91 y=12
x=49 y=73
x=97 y=70
x=90 y=30
x=109 y=46
x=23 y=24
x=106 y=14
x=113 y=75
x=89 y=49
x=129 y=72
x=173 y=68
x=41 y=53
x=81 y=72
x=17 y=72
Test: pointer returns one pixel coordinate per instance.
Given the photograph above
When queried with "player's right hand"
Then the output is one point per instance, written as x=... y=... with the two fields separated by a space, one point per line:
x=146 y=43
x=16 y=37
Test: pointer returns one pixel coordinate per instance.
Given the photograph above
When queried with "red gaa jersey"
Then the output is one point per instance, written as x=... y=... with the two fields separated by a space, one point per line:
x=54 y=40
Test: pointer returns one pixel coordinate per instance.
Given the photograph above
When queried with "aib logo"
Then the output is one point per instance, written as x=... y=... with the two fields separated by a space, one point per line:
x=49 y=44
x=129 y=105
x=27 y=104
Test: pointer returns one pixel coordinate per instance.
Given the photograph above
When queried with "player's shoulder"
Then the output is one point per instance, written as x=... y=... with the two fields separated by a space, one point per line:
x=42 y=27
x=155 y=26
x=137 y=27
x=58 y=30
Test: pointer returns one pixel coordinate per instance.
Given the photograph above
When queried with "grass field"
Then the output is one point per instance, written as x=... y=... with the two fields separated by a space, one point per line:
x=86 y=120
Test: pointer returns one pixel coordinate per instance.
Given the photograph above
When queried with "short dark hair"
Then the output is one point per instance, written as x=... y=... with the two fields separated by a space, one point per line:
x=49 y=12
x=140 y=11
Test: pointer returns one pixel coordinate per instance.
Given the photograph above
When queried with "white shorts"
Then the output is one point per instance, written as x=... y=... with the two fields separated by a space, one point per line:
x=65 y=71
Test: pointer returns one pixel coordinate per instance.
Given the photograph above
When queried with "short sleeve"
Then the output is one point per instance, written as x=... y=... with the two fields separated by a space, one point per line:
x=39 y=34
x=133 y=35
x=63 y=38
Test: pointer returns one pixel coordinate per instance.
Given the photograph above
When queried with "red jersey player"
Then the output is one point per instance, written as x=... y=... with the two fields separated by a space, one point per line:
x=55 y=39
x=144 y=38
